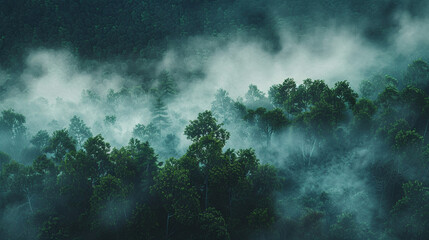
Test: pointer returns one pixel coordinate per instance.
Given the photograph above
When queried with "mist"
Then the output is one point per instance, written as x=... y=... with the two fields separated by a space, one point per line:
x=332 y=173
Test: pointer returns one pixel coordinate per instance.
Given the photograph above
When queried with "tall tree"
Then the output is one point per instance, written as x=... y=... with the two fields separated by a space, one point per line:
x=205 y=125
x=78 y=130
x=280 y=93
x=13 y=130
x=60 y=144
x=40 y=140
x=159 y=114
x=267 y=121
x=179 y=196
x=255 y=97
x=223 y=107
x=417 y=74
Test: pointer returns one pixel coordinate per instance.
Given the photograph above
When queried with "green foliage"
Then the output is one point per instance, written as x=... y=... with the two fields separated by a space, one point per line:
x=144 y=223
x=159 y=114
x=267 y=121
x=406 y=139
x=146 y=133
x=260 y=219
x=280 y=93
x=12 y=132
x=348 y=228
x=364 y=111
x=344 y=93
x=223 y=107
x=206 y=125
x=389 y=97
x=12 y=124
x=97 y=150
x=255 y=97
x=370 y=89
x=60 y=144
x=179 y=196
x=213 y=225
x=411 y=212
x=53 y=229
x=417 y=74
x=110 y=120
x=78 y=130
x=100 y=192
x=41 y=139
x=109 y=202
x=4 y=159
x=167 y=87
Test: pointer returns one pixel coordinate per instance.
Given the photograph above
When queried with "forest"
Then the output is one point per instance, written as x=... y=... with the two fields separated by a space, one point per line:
x=214 y=120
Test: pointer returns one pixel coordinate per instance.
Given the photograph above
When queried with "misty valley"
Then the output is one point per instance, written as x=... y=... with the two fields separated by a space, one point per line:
x=214 y=120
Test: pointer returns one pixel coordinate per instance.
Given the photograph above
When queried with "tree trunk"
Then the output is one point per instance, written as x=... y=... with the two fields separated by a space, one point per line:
x=230 y=202
x=166 y=229
x=206 y=189
x=29 y=201
x=426 y=128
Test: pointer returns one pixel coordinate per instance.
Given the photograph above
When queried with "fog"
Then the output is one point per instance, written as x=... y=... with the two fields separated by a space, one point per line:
x=55 y=84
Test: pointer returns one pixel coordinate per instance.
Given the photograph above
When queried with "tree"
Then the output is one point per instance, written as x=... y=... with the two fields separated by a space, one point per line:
x=371 y=88
x=416 y=102
x=46 y=174
x=213 y=226
x=364 y=111
x=12 y=129
x=417 y=74
x=229 y=177
x=147 y=133
x=19 y=182
x=205 y=125
x=208 y=140
x=146 y=162
x=4 y=159
x=410 y=215
x=179 y=196
x=78 y=130
x=60 y=144
x=170 y=146
x=19 y=186
x=144 y=223
x=389 y=97
x=167 y=87
x=343 y=94
x=316 y=90
x=97 y=150
x=255 y=97
x=159 y=114
x=307 y=95
x=223 y=107
x=12 y=124
x=280 y=93
x=110 y=120
x=348 y=228
x=260 y=219
x=40 y=140
x=267 y=121
x=125 y=167
x=408 y=140
x=254 y=94
x=109 y=206
x=264 y=181
x=401 y=137
x=79 y=174
x=53 y=229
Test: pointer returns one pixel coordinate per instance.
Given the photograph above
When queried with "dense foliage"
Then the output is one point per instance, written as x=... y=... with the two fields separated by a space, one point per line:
x=70 y=184
x=305 y=159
